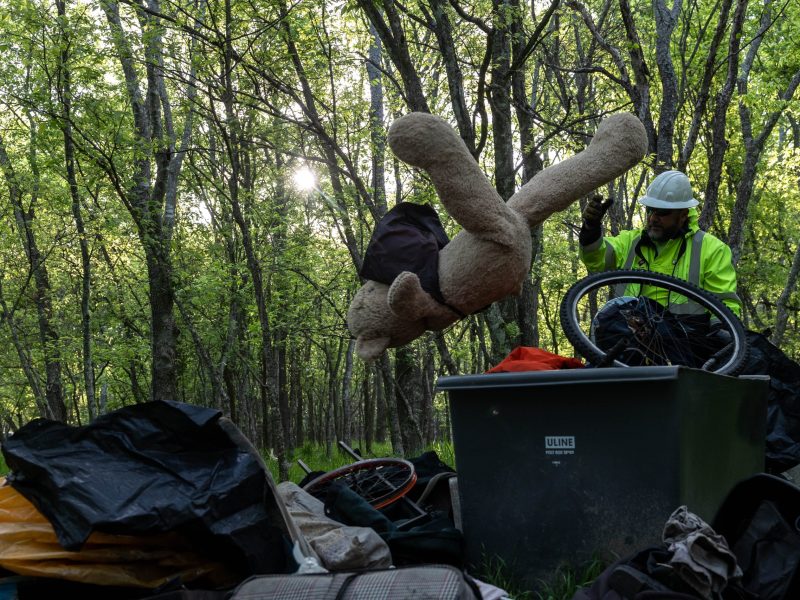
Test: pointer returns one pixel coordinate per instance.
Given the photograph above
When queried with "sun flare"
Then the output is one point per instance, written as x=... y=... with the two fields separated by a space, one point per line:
x=304 y=179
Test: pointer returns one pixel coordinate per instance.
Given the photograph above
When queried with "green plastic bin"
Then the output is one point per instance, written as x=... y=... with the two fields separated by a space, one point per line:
x=559 y=467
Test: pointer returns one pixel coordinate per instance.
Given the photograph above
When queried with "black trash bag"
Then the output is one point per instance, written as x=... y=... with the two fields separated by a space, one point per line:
x=783 y=401
x=151 y=468
x=652 y=335
x=760 y=519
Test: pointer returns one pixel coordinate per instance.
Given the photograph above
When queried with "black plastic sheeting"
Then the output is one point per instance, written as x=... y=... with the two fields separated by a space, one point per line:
x=783 y=407
x=150 y=468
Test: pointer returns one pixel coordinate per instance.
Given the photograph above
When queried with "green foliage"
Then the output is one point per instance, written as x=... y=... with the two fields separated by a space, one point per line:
x=495 y=571
x=280 y=109
x=567 y=580
x=561 y=585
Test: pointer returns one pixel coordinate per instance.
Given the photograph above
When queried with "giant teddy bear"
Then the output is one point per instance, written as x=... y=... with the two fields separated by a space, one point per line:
x=489 y=259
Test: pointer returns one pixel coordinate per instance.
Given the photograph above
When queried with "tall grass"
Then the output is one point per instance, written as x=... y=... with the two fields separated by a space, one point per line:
x=562 y=585
x=317 y=458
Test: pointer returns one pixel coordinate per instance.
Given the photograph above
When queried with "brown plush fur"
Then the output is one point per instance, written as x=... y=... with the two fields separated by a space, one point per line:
x=489 y=259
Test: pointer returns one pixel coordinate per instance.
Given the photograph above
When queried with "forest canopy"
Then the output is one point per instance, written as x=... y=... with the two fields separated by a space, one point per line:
x=188 y=187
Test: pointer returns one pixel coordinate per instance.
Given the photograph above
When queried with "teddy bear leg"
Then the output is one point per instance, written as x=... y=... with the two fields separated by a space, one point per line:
x=619 y=143
x=430 y=143
x=410 y=302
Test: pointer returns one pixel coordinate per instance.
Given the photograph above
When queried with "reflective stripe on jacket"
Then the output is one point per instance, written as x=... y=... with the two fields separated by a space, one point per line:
x=710 y=269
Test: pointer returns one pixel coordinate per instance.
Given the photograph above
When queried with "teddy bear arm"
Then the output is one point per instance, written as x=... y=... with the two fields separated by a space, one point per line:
x=411 y=303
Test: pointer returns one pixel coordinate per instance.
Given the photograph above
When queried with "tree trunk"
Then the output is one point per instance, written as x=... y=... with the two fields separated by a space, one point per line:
x=377 y=127
x=408 y=399
x=368 y=401
x=152 y=203
x=394 y=40
x=754 y=144
x=65 y=95
x=781 y=312
x=347 y=380
x=719 y=143
x=24 y=355
x=392 y=418
x=666 y=20
x=381 y=410
x=703 y=91
x=48 y=335
x=443 y=28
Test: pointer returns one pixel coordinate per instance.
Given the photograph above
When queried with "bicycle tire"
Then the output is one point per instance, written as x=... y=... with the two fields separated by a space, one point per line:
x=380 y=481
x=584 y=345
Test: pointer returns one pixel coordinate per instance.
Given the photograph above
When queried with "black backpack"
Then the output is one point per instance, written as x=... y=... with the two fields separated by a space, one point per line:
x=407 y=238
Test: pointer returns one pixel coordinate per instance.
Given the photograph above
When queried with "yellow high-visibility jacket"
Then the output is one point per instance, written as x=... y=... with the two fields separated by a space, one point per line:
x=697 y=257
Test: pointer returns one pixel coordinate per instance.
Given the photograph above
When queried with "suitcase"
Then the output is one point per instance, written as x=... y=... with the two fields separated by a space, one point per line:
x=428 y=582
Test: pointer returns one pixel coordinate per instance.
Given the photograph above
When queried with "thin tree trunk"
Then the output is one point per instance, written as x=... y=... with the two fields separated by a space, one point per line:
x=368 y=401
x=754 y=144
x=443 y=29
x=719 y=143
x=65 y=95
x=152 y=202
x=666 y=20
x=381 y=410
x=393 y=419
x=408 y=399
x=704 y=89
x=7 y=315
x=428 y=383
x=377 y=127
x=296 y=397
x=347 y=380
x=394 y=40
x=48 y=335
x=781 y=306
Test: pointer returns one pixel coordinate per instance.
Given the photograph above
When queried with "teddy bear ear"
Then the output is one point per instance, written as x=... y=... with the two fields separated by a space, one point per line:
x=372 y=348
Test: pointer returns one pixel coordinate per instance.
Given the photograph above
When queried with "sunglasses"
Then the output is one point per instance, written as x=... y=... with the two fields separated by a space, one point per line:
x=659 y=212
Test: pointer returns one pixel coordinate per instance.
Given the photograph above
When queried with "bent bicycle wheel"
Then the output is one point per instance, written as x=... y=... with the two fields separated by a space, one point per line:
x=645 y=333
x=380 y=481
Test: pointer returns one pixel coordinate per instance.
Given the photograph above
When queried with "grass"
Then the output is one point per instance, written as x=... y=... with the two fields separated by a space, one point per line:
x=317 y=459
x=561 y=586
x=567 y=580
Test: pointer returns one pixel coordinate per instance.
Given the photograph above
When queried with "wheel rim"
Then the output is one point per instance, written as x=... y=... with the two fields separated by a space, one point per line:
x=379 y=481
x=574 y=322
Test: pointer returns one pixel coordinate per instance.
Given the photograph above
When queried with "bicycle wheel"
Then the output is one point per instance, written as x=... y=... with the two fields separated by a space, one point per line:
x=649 y=334
x=380 y=481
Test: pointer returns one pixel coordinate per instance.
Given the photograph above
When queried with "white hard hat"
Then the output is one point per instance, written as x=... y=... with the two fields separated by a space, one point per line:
x=671 y=189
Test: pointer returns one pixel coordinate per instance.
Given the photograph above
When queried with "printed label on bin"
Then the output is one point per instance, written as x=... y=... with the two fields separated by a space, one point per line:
x=559 y=445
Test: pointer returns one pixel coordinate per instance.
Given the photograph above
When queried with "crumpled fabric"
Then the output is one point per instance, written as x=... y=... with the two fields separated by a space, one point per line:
x=339 y=547
x=148 y=469
x=700 y=557
x=525 y=358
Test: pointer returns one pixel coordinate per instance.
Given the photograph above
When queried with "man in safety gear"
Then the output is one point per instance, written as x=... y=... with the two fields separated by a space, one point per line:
x=671 y=243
